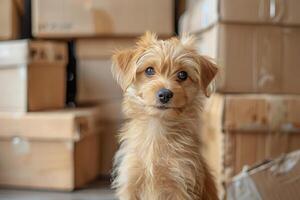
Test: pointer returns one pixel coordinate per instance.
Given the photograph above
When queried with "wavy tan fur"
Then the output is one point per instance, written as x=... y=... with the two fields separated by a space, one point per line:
x=159 y=156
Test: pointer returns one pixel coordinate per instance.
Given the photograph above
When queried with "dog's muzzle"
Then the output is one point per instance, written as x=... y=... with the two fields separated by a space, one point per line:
x=164 y=95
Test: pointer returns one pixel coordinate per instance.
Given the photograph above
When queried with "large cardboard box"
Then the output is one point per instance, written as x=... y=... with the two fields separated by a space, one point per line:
x=32 y=75
x=254 y=58
x=49 y=150
x=240 y=130
x=73 y=18
x=94 y=77
x=273 y=180
x=202 y=14
x=9 y=20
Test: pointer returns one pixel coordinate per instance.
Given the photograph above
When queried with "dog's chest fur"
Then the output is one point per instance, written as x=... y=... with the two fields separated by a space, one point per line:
x=160 y=156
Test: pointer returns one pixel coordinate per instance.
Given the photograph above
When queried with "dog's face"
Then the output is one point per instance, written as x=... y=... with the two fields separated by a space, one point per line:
x=162 y=77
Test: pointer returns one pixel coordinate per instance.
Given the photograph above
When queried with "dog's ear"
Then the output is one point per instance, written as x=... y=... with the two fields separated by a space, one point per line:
x=147 y=39
x=188 y=40
x=208 y=69
x=208 y=73
x=122 y=68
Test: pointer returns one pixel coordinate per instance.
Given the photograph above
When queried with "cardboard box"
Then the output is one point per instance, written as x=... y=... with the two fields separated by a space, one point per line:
x=76 y=18
x=49 y=150
x=94 y=78
x=32 y=75
x=205 y=13
x=110 y=119
x=254 y=58
x=239 y=130
x=273 y=180
x=9 y=20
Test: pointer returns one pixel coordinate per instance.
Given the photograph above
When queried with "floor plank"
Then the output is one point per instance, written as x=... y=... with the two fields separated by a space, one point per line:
x=96 y=191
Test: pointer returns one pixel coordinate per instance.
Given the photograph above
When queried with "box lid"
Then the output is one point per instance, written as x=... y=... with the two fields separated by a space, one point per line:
x=101 y=48
x=17 y=52
x=255 y=112
x=69 y=124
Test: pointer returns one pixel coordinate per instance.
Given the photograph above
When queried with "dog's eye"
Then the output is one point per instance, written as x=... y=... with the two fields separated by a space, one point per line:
x=182 y=75
x=149 y=71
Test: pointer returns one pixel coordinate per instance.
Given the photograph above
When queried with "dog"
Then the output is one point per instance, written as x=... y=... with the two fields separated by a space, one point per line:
x=165 y=83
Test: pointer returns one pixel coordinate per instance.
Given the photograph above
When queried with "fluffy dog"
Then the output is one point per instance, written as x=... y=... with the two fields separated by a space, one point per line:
x=164 y=84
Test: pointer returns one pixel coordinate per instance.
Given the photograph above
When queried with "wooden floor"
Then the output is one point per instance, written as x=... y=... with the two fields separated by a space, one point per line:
x=96 y=191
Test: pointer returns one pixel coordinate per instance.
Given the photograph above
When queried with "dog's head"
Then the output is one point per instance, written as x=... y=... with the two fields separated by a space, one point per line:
x=163 y=76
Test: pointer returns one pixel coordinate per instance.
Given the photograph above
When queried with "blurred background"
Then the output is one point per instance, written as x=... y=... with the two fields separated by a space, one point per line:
x=60 y=109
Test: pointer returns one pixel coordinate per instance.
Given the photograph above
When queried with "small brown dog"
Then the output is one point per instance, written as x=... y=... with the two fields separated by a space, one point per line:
x=164 y=85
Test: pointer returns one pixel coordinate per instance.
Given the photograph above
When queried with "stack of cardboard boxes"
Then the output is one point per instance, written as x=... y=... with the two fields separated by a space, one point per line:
x=43 y=144
x=99 y=28
x=255 y=115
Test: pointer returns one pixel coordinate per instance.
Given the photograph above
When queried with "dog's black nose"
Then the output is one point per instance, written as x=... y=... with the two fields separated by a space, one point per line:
x=164 y=95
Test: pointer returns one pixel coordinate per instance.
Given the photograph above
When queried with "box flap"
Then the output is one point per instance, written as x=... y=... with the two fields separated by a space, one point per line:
x=277 y=179
x=13 y=53
x=18 y=52
x=262 y=112
x=46 y=51
x=101 y=48
x=55 y=125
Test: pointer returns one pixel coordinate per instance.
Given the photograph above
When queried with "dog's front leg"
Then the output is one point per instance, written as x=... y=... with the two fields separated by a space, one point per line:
x=130 y=182
x=176 y=195
x=127 y=193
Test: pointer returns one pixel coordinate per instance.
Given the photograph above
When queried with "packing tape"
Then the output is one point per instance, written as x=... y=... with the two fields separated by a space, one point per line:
x=272 y=9
x=255 y=54
x=79 y=132
x=263 y=73
x=20 y=146
x=70 y=145
x=284 y=164
x=276 y=10
x=206 y=9
x=277 y=112
x=264 y=77
x=277 y=135
x=243 y=188
x=23 y=73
